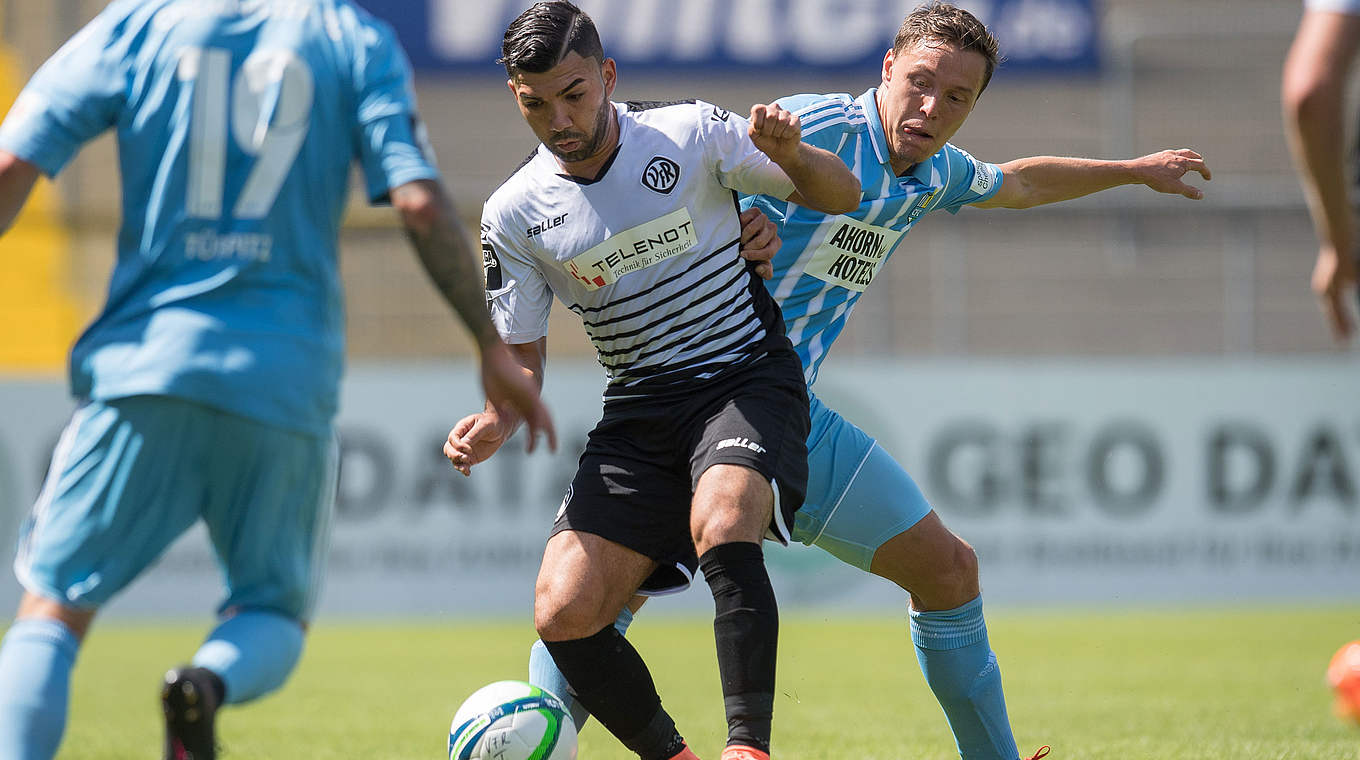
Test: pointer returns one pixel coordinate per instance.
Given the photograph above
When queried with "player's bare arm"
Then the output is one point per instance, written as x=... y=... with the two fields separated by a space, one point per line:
x=821 y=180
x=476 y=437
x=1313 y=94
x=442 y=244
x=1037 y=180
x=17 y=178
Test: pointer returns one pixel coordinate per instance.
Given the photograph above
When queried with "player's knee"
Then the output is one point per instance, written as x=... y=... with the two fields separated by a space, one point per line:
x=77 y=620
x=560 y=616
x=964 y=565
x=716 y=527
x=956 y=576
x=732 y=504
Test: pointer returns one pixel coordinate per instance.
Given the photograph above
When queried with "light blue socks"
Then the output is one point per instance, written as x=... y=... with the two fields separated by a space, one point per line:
x=252 y=652
x=35 y=684
x=961 y=669
x=544 y=674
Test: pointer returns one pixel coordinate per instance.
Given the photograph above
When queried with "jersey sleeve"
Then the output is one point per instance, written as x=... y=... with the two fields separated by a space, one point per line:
x=517 y=293
x=734 y=159
x=393 y=147
x=968 y=180
x=823 y=118
x=75 y=96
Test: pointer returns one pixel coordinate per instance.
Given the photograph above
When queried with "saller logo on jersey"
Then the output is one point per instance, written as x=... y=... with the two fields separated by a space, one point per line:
x=661 y=175
x=634 y=249
x=851 y=252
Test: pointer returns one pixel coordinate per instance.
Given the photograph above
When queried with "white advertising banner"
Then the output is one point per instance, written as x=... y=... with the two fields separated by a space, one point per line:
x=1111 y=482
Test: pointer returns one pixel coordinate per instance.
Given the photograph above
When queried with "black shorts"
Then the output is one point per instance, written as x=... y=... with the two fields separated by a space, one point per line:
x=642 y=462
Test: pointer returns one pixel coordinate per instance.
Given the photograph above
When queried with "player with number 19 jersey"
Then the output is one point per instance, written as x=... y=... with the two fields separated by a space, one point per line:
x=236 y=122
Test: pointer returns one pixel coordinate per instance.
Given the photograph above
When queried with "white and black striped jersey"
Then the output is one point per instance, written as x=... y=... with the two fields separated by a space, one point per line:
x=646 y=253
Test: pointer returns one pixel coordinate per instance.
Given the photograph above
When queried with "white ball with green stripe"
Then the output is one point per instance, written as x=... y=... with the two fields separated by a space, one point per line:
x=512 y=720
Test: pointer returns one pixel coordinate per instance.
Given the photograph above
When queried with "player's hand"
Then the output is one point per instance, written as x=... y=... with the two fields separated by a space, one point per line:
x=511 y=387
x=474 y=439
x=1163 y=171
x=1334 y=283
x=776 y=132
x=759 y=241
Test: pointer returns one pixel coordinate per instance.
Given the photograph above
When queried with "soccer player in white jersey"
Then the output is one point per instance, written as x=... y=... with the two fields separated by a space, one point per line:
x=1320 y=63
x=627 y=214
x=861 y=505
x=209 y=381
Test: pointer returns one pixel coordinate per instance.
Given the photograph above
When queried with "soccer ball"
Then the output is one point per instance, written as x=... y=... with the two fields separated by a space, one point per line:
x=1343 y=674
x=512 y=720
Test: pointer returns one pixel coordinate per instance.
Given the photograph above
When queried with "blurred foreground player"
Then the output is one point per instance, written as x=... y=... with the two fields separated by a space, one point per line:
x=862 y=506
x=626 y=214
x=1316 y=71
x=208 y=384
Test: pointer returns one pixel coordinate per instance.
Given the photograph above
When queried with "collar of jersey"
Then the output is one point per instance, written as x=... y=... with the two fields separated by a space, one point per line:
x=879 y=138
x=619 y=109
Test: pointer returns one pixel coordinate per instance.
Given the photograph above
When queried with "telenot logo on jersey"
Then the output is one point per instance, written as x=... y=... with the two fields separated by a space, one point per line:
x=634 y=249
x=661 y=175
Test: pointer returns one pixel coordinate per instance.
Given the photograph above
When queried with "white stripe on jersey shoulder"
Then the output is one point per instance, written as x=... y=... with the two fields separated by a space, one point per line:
x=818 y=110
x=822 y=116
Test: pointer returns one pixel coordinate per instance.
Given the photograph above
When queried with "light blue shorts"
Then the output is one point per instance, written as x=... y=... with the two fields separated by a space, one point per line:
x=129 y=476
x=858 y=496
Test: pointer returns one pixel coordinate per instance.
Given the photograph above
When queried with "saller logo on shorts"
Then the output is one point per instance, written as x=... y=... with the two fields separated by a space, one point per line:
x=634 y=249
x=743 y=443
x=851 y=252
x=661 y=175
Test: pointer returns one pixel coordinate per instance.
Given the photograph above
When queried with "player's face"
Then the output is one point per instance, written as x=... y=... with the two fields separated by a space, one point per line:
x=928 y=90
x=568 y=108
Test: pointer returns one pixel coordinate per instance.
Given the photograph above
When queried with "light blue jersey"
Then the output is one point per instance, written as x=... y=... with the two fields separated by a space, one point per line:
x=826 y=262
x=237 y=122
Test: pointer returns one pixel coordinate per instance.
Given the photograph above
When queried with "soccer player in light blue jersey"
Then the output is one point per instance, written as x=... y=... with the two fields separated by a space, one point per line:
x=1316 y=73
x=862 y=507
x=208 y=383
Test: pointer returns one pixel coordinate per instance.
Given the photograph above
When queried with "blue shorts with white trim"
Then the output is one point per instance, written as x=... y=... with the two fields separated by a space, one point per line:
x=858 y=496
x=130 y=475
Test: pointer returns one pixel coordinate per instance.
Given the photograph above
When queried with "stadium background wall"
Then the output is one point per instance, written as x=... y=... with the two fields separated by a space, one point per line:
x=1092 y=482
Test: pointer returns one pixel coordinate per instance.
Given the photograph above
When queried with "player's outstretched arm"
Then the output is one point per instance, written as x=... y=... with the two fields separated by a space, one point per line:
x=477 y=437
x=1312 y=92
x=821 y=180
x=439 y=239
x=17 y=178
x=1034 y=181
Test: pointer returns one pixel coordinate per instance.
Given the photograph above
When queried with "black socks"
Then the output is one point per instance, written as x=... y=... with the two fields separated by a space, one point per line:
x=613 y=683
x=746 y=628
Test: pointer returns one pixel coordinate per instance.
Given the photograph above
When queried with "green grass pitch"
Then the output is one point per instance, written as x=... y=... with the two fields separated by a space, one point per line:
x=1240 y=684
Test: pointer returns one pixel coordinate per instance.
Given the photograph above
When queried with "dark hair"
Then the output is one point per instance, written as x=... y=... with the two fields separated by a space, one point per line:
x=543 y=35
x=942 y=22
